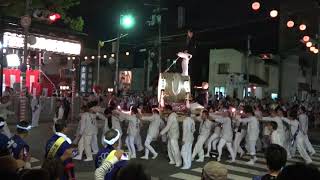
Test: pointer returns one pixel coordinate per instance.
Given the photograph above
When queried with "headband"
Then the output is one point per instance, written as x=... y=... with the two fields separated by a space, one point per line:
x=2 y=123
x=114 y=140
x=24 y=128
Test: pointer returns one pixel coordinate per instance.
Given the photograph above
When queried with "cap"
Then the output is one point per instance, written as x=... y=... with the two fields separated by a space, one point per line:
x=215 y=171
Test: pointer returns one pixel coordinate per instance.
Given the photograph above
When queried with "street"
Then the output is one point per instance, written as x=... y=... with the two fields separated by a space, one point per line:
x=159 y=168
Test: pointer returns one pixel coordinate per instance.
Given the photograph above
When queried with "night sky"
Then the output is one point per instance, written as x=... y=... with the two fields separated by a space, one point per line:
x=223 y=23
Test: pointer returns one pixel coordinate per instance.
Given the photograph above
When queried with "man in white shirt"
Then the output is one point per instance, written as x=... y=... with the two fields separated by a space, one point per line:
x=298 y=138
x=86 y=132
x=303 y=122
x=252 y=132
x=36 y=109
x=153 y=132
x=132 y=131
x=187 y=140
x=59 y=111
x=204 y=132
x=172 y=128
x=226 y=133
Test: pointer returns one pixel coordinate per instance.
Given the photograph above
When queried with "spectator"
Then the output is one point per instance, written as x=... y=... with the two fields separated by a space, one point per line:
x=59 y=147
x=298 y=172
x=21 y=149
x=132 y=171
x=276 y=157
x=54 y=167
x=214 y=171
x=111 y=139
x=34 y=174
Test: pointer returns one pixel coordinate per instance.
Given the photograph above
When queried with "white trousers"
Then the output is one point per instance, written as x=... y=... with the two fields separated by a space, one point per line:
x=237 y=140
x=212 y=142
x=186 y=151
x=35 y=118
x=221 y=144
x=130 y=145
x=309 y=147
x=138 y=142
x=94 y=143
x=302 y=150
x=251 y=146
x=173 y=151
x=185 y=67
x=198 y=147
x=149 y=147
x=85 y=144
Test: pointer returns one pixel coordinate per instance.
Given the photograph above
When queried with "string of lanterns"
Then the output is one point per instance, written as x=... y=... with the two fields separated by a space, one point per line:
x=309 y=42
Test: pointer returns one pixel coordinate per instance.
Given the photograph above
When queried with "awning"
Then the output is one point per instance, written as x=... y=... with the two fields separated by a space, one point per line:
x=253 y=79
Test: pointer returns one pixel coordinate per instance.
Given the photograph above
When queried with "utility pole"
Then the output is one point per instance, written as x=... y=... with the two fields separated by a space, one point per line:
x=159 y=18
x=247 y=64
x=116 y=83
x=25 y=23
x=99 y=58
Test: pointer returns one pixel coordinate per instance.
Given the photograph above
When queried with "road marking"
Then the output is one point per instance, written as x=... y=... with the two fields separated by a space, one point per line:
x=185 y=176
x=238 y=169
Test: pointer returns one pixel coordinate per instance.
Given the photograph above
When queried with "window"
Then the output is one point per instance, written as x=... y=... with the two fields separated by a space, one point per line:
x=223 y=68
x=218 y=90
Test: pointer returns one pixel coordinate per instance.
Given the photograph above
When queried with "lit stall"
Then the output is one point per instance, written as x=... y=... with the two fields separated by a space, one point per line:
x=43 y=52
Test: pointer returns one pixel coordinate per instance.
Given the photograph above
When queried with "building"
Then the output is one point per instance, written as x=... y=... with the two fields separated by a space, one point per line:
x=227 y=74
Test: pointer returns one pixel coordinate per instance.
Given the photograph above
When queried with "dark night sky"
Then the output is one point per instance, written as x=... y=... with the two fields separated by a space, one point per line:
x=101 y=18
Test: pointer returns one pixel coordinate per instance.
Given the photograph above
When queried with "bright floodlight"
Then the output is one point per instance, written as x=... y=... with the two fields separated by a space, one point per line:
x=127 y=53
x=306 y=38
x=290 y=24
x=255 y=6
x=309 y=44
x=302 y=27
x=274 y=13
x=13 y=60
x=127 y=21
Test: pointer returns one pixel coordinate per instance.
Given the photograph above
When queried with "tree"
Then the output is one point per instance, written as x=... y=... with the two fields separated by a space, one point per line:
x=16 y=8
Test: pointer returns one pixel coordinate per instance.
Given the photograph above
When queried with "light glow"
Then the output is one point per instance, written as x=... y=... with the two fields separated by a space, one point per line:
x=14 y=40
x=13 y=60
x=274 y=13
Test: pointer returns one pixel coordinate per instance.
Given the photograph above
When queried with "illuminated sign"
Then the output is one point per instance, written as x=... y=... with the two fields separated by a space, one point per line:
x=14 y=40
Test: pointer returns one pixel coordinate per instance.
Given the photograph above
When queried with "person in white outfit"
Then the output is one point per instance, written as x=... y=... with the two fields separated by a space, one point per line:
x=303 y=122
x=275 y=139
x=239 y=136
x=94 y=141
x=86 y=133
x=172 y=128
x=298 y=138
x=111 y=121
x=214 y=138
x=187 y=140
x=185 y=62
x=275 y=118
x=133 y=129
x=36 y=109
x=227 y=134
x=204 y=132
x=59 y=111
x=153 y=132
x=252 y=132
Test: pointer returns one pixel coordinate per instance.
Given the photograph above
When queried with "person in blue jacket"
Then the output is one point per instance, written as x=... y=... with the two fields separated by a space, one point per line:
x=111 y=139
x=21 y=150
x=58 y=146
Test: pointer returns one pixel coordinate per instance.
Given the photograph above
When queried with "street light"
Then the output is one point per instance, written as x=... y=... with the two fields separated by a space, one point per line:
x=309 y=44
x=127 y=21
x=255 y=6
x=306 y=38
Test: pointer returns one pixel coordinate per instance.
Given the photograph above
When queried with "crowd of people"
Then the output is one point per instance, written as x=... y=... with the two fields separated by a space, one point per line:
x=277 y=128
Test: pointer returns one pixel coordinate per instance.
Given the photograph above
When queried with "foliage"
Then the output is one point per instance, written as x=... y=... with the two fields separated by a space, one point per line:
x=16 y=8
